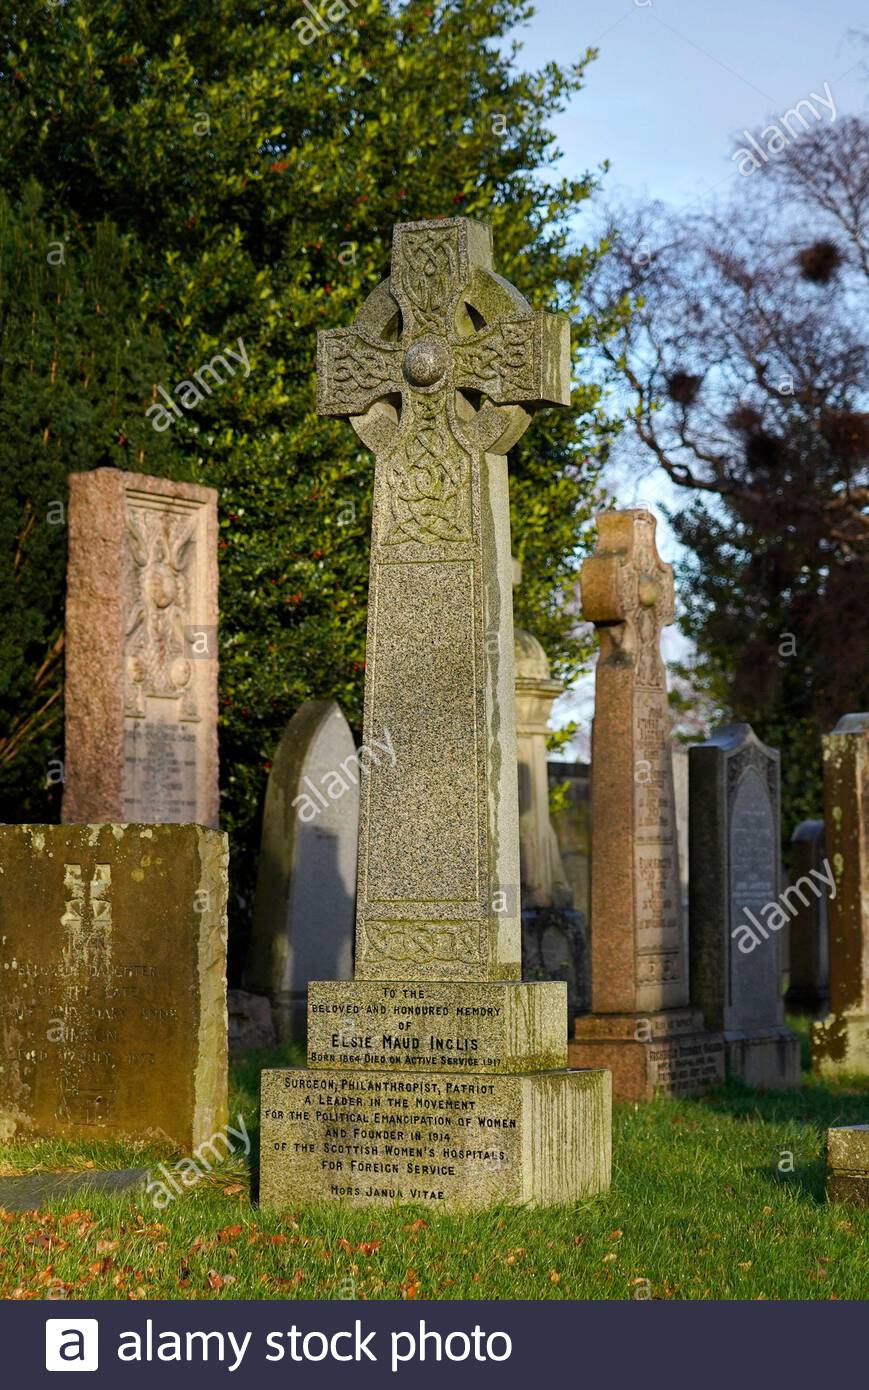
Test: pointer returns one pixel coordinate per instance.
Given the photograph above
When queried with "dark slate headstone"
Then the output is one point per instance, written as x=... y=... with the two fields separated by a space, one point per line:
x=30 y=1191
x=809 y=988
x=737 y=912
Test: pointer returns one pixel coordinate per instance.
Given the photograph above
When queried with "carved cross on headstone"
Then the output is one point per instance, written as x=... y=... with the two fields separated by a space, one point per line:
x=639 y=959
x=439 y=376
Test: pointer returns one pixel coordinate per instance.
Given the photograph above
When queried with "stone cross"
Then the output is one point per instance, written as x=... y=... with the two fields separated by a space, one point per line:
x=439 y=376
x=642 y=1023
x=638 y=948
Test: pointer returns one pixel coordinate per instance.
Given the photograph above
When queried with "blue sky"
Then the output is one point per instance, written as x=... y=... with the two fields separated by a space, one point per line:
x=677 y=79
x=675 y=84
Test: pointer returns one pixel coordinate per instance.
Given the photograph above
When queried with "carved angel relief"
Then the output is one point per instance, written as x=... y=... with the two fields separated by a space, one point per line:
x=159 y=558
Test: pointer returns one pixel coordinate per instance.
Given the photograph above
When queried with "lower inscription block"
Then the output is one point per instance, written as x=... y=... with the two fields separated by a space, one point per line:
x=433 y=1137
x=663 y=1054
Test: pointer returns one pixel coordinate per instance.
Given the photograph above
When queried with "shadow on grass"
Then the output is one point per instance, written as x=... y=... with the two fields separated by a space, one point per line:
x=808 y=1178
x=813 y=1104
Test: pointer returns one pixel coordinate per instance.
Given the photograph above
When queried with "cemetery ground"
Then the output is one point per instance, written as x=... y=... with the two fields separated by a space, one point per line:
x=713 y=1198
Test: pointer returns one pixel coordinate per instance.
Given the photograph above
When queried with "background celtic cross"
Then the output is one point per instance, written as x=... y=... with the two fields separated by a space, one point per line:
x=439 y=376
x=628 y=593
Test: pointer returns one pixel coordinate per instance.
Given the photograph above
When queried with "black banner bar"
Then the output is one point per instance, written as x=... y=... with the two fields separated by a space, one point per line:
x=629 y=1345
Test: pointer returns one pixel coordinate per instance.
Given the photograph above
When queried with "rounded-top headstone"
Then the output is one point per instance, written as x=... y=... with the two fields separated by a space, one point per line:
x=305 y=894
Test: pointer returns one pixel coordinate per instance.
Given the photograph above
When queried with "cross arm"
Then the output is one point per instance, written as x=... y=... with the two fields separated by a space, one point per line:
x=354 y=371
x=518 y=361
x=601 y=589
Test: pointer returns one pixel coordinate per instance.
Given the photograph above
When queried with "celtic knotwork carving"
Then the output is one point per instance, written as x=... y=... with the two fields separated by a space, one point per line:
x=500 y=360
x=359 y=371
x=516 y=358
x=421 y=943
x=159 y=557
x=427 y=479
x=426 y=277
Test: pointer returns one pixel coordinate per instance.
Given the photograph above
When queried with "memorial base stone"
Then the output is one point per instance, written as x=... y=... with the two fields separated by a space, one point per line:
x=840 y=1045
x=453 y=1093
x=848 y=1165
x=663 y=1054
x=769 y=1061
x=388 y=1136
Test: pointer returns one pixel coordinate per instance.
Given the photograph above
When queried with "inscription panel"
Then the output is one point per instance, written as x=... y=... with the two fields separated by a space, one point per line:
x=75 y=1039
x=390 y=1138
x=160 y=762
x=682 y=1067
x=458 y=1028
x=660 y=929
x=381 y=1137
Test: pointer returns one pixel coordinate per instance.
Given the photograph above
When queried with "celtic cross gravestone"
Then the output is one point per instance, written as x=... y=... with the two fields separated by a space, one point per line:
x=641 y=1024
x=438 y=375
x=436 y=1074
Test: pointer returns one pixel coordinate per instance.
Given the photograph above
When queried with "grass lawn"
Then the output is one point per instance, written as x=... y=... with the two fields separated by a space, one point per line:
x=715 y=1198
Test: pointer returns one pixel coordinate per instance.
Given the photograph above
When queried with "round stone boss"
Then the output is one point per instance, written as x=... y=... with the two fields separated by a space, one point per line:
x=427 y=361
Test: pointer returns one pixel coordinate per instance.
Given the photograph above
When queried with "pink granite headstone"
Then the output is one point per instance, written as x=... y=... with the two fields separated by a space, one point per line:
x=141 y=651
